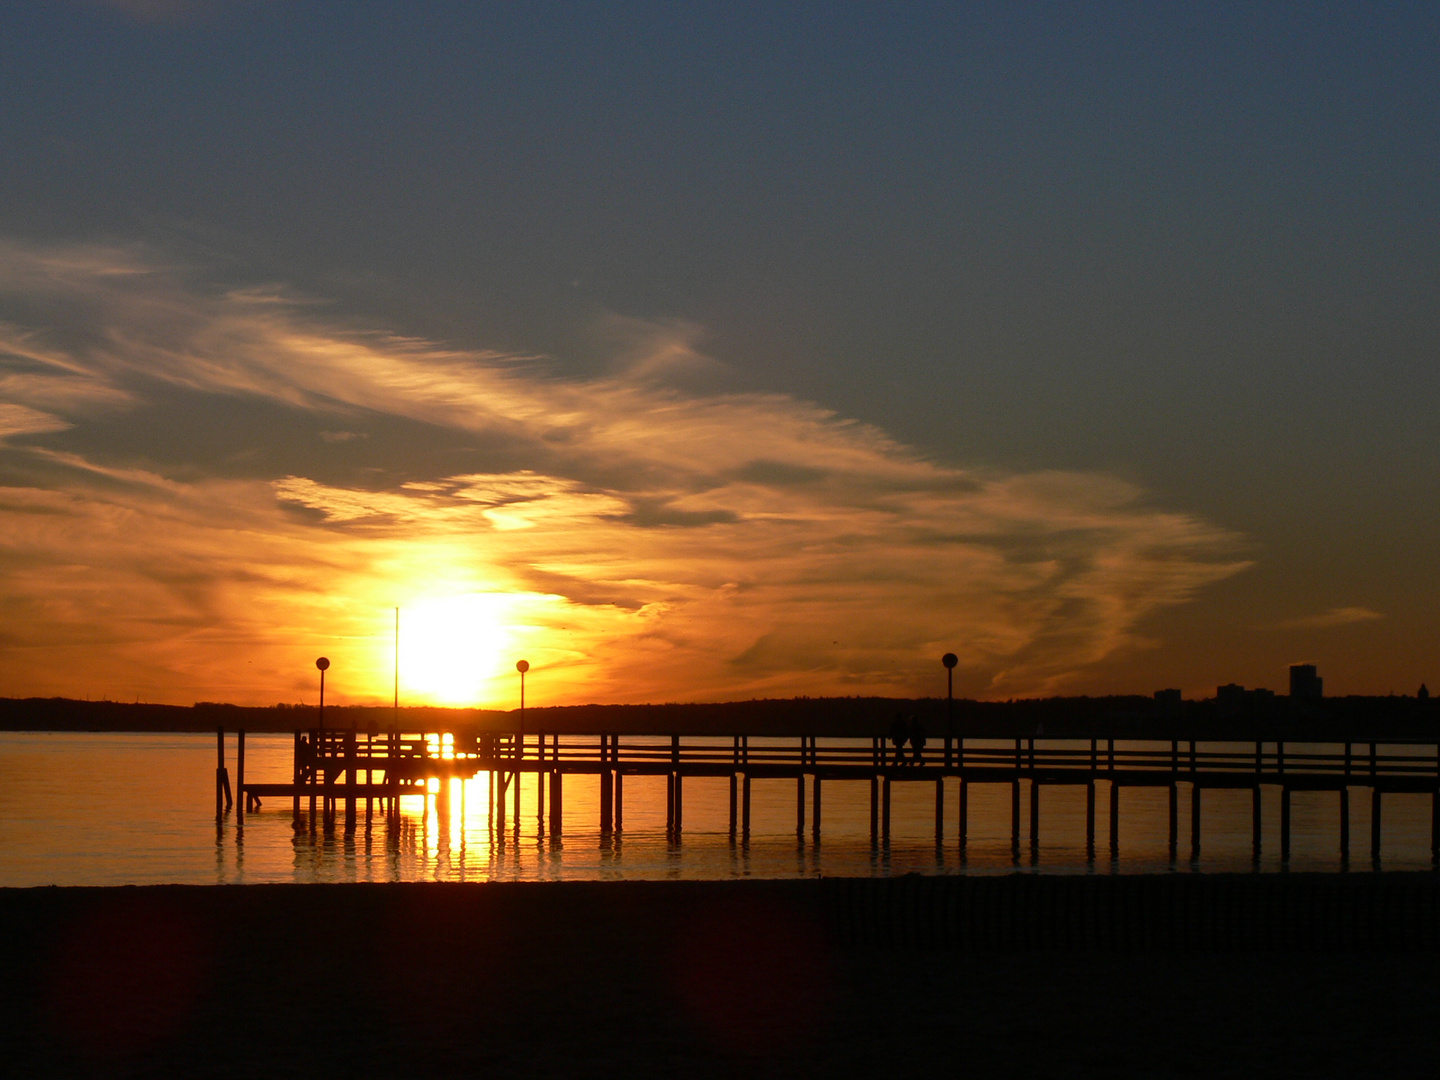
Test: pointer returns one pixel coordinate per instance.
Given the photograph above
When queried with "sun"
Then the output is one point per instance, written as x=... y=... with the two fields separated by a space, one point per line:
x=451 y=648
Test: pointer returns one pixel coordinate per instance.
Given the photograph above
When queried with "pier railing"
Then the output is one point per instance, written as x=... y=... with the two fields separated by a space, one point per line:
x=1358 y=760
x=333 y=765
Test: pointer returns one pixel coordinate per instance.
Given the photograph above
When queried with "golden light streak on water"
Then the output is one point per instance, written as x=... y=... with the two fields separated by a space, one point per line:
x=98 y=809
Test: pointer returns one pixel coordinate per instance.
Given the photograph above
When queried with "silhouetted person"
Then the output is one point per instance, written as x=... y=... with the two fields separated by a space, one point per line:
x=899 y=735
x=917 y=740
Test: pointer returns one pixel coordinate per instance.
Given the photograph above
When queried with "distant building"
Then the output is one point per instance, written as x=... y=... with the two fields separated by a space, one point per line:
x=1305 y=684
x=1424 y=694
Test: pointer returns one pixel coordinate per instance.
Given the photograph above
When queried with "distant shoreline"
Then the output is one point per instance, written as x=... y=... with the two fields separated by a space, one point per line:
x=1129 y=717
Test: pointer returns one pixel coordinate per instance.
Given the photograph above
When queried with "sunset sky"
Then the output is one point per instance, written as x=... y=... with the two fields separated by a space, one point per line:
x=705 y=352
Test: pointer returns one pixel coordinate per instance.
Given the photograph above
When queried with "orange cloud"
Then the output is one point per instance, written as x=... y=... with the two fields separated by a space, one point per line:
x=641 y=539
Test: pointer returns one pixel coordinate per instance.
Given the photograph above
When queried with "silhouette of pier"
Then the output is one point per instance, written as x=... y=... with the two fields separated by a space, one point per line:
x=346 y=769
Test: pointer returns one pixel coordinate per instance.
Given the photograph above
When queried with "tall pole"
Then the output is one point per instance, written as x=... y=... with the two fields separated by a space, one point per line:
x=397 y=666
x=322 y=664
x=522 y=666
x=949 y=660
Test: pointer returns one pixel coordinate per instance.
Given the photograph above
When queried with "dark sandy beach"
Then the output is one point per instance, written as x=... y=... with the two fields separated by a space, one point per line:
x=1013 y=976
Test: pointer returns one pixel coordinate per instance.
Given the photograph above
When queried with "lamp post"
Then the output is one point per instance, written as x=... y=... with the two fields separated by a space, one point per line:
x=949 y=660
x=322 y=664
x=522 y=666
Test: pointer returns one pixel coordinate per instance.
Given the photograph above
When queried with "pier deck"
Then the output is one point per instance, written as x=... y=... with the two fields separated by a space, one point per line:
x=334 y=766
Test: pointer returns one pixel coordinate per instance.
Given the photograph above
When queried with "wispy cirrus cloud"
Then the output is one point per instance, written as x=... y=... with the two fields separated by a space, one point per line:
x=661 y=541
x=1340 y=616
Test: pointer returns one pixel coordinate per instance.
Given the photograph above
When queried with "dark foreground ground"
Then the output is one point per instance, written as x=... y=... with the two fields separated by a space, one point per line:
x=1023 y=976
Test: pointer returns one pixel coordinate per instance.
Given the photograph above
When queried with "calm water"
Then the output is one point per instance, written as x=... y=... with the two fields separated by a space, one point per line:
x=103 y=809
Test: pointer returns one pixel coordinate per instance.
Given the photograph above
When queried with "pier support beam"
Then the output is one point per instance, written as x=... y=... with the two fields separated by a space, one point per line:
x=734 y=801
x=874 y=809
x=1255 y=822
x=607 y=800
x=1114 y=820
x=745 y=807
x=1375 y=824
x=619 y=800
x=885 y=809
x=800 y=805
x=351 y=779
x=815 y=809
x=1284 y=822
x=1344 y=824
x=1015 y=816
x=964 y=813
x=1194 y=820
x=1034 y=812
x=557 y=798
x=939 y=811
x=240 y=772
x=295 y=775
x=1090 y=817
x=1435 y=826
x=223 y=798
x=1174 y=818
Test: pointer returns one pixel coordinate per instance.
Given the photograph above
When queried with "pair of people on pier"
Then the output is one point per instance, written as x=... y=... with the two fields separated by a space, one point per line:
x=912 y=732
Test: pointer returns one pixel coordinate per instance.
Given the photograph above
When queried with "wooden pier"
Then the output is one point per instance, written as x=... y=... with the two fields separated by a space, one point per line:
x=332 y=768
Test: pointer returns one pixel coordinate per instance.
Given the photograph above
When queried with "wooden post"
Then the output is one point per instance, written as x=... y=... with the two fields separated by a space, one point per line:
x=314 y=772
x=619 y=800
x=1435 y=826
x=1194 y=815
x=1255 y=819
x=885 y=809
x=940 y=811
x=295 y=778
x=1015 y=811
x=1174 y=816
x=1034 y=810
x=679 y=803
x=370 y=781
x=351 y=777
x=557 y=799
x=607 y=796
x=964 y=825
x=745 y=808
x=1284 y=822
x=519 y=755
x=1114 y=818
x=1344 y=823
x=540 y=781
x=815 y=809
x=734 y=801
x=800 y=803
x=219 y=773
x=1374 y=823
x=670 y=802
x=874 y=808
x=1090 y=813
x=240 y=772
